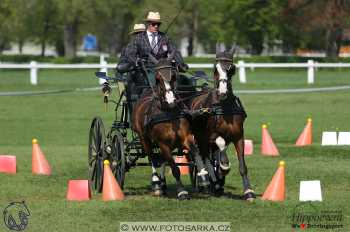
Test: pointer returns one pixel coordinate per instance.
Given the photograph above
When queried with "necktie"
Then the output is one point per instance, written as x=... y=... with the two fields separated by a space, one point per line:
x=154 y=44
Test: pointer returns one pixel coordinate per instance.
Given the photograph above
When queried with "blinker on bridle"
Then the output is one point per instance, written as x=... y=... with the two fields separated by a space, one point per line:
x=225 y=59
x=161 y=67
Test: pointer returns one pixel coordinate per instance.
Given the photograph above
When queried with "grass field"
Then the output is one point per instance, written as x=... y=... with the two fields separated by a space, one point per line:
x=61 y=123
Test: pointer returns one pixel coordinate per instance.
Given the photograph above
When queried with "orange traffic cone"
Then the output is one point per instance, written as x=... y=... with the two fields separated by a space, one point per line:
x=276 y=189
x=268 y=147
x=39 y=163
x=8 y=164
x=111 y=190
x=305 y=137
x=78 y=190
x=184 y=170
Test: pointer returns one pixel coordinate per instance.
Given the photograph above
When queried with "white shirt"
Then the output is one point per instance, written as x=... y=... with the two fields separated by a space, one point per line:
x=150 y=37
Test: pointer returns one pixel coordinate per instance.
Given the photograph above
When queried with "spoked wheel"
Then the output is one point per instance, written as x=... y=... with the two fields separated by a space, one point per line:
x=96 y=153
x=118 y=159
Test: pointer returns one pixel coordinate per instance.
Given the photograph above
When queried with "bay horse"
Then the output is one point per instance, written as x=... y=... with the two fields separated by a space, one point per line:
x=160 y=122
x=223 y=124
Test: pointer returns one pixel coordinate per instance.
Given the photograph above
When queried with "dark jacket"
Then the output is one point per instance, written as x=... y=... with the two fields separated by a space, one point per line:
x=140 y=47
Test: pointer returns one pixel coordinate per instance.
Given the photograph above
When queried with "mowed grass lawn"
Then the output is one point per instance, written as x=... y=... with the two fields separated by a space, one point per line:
x=61 y=124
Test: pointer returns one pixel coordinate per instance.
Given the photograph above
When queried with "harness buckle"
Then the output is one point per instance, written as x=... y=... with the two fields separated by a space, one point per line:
x=205 y=110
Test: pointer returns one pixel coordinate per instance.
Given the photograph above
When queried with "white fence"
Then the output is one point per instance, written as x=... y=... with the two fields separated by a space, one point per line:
x=241 y=65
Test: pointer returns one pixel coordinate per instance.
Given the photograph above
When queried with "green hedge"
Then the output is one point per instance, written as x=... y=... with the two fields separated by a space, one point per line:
x=52 y=59
x=96 y=59
x=272 y=59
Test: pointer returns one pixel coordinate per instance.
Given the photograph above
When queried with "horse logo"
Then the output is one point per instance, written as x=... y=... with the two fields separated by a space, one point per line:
x=16 y=216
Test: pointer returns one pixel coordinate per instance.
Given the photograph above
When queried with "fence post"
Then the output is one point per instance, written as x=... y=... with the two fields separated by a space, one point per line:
x=242 y=77
x=33 y=73
x=103 y=64
x=310 y=71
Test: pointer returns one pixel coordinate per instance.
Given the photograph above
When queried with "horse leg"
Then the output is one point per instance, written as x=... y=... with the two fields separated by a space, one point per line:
x=212 y=174
x=188 y=143
x=248 y=192
x=202 y=174
x=155 y=180
x=162 y=177
x=165 y=151
x=223 y=166
x=224 y=162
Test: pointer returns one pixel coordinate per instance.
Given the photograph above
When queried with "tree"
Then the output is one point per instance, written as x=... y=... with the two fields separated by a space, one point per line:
x=72 y=15
x=5 y=23
x=249 y=23
x=44 y=22
x=252 y=22
x=329 y=17
x=210 y=28
x=112 y=20
x=20 y=28
x=188 y=22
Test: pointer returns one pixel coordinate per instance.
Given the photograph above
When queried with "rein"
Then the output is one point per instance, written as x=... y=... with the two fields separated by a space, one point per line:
x=148 y=78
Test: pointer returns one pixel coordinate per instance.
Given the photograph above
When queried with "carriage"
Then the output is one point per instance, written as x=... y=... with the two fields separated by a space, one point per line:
x=206 y=140
x=120 y=144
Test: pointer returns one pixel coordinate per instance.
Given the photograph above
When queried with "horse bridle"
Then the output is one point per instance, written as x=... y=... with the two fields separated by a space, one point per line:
x=161 y=70
x=224 y=68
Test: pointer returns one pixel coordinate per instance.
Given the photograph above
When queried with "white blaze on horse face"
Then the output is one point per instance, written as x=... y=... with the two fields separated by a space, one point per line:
x=222 y=79
x=220 y=142
x=169 y=95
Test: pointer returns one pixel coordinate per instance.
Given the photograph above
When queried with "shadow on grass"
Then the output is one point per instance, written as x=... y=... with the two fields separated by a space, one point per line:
x=172 y=194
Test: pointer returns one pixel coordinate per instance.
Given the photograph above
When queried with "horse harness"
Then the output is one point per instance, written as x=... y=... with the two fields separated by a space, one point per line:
x=164 y=116
x=231 y=106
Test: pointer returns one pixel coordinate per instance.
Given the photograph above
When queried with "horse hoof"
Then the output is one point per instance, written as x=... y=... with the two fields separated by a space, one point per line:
x=223 y=172
x=249 y=195
x=163 y=186
x=218 y=193
x=183 y=195
x=225 y=167
x=218 y=190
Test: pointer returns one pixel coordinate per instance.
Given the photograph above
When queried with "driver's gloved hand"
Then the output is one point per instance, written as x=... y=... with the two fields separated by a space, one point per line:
x=123 y=67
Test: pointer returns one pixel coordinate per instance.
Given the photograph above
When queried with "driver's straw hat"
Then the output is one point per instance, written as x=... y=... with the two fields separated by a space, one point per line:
x=153 y=17
x=138 y=28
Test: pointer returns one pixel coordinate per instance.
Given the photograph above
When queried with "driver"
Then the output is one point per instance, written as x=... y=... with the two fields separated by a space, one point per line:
x=153 y=42
x=142 y=44
x=125 y=65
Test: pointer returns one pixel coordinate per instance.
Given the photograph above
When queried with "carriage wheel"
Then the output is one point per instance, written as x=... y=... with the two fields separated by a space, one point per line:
x=118 y=159
x=96 y=153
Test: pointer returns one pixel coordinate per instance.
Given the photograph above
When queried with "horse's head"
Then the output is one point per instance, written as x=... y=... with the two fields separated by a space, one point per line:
x=223 y=71
x=165 y=80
